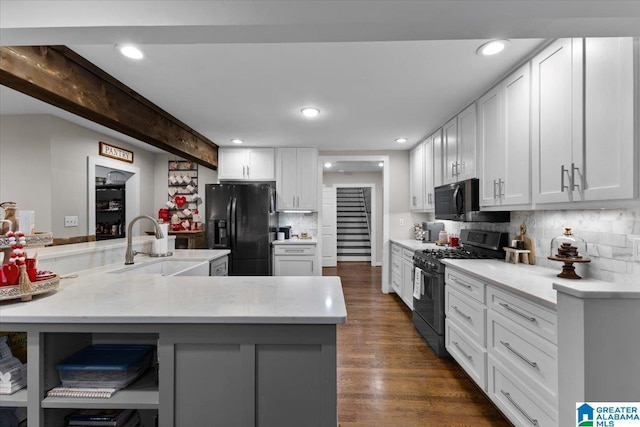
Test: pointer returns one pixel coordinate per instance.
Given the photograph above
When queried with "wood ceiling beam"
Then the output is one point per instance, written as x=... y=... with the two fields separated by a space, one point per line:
x=59 y=76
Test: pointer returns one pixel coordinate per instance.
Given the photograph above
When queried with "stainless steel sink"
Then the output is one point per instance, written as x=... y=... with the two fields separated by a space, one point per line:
x=171 y=267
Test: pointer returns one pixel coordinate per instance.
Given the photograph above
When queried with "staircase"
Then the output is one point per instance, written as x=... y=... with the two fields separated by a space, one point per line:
x=353 y=232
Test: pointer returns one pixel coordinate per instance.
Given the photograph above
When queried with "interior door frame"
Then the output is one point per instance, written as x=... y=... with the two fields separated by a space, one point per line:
x=385 y=287
x=333 y=259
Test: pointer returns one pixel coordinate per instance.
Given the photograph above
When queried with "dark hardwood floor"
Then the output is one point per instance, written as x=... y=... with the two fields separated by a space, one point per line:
x=387 y=374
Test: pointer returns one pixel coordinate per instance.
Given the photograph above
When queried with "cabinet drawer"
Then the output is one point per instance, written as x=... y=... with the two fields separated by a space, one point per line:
x=396 y=265
x=407 y=254
x=396 y=250
x=532 y=358
x=464 y=283
x=467 y=313
x=534 y=317
x=517 y=401
x=467 y=353
x=219 y=267
x=294 y=249
x=396 y=284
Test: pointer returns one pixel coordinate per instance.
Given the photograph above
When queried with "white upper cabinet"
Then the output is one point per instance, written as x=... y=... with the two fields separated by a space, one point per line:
x=251 y=164
x=297 y=179
x=436 y=140
x=504 y=132
x=459 y=146
x=583 y=121
x=416 y=178
x=429 y=170
x=608 y=119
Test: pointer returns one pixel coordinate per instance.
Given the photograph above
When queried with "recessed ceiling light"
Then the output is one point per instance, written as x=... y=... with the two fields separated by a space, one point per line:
x=328 y=165
x=237 y=141
x=130 y=51
x=310 y=112
x=381 y=164
x=493 y=47
x=401 y=140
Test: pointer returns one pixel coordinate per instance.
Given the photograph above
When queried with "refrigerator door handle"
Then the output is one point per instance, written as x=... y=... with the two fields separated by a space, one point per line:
x=233 y=234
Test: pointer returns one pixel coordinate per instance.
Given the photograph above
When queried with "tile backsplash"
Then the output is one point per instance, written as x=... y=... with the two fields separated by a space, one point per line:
x=300 y=222
x=609 y=234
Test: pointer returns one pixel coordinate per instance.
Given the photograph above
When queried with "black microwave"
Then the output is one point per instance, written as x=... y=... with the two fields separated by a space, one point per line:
x=460 y=201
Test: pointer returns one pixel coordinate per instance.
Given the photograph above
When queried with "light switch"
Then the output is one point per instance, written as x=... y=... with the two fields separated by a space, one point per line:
x=401 y=221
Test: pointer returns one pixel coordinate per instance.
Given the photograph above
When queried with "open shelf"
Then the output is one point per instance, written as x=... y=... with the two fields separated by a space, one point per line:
x=17 y=399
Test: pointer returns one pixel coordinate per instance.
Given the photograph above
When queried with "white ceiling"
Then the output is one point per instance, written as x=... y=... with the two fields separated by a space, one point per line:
x=377 y=70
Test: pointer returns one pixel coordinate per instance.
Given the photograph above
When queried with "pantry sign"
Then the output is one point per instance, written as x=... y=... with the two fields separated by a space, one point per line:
x=114 y=152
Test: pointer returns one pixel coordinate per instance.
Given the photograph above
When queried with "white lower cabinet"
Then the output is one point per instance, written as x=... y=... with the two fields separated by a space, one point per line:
x=401 y=276
x=219 y=267
x=294 y=260
x=507 y=344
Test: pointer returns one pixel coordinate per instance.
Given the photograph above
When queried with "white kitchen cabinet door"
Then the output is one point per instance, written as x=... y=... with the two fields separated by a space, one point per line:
x=556 y=120
x=416 y=178
x=491 y=146
x=261 y=164
x=297 y=179
x=436 y=139
x=609 y=115
x=466 y=167
x=231 y=163
x=515 y=187
x=293 y=265
x=449 y=151
x=307 y=162
x=429 y=162
x=407 y=282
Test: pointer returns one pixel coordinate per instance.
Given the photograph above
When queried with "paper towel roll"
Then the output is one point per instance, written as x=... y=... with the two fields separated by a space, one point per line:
x=161 y=246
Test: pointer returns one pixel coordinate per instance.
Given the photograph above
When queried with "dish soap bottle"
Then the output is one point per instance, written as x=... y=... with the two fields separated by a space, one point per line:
x=443 y=238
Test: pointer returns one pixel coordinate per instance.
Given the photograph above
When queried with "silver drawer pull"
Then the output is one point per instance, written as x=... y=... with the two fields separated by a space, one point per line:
x=508 y=307
x=461 y=283
x=461 y=350
x=508 y=396
x=294 y=250
x=461 y=313
x=506 y=344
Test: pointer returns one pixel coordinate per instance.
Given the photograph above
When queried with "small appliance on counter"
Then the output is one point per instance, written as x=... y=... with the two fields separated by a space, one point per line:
x=287 y=232
x=431 y=231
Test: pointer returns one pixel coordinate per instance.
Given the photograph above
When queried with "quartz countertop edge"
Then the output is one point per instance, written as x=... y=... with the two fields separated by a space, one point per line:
x=416 y=245
x=96 y=296
x=295 y=242
x=50 y=252
x=599 y=290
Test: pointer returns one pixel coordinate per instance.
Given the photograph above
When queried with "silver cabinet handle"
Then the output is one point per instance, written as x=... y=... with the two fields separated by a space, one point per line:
x=293 y=202
x=562 y=172
x=248 y=174
x=414 y=201
x=500 y=188
x=461 y=350
x=297 y=251
x=508 y=396
x=461 y=283
x=244 y=171
x=494 y=188
x=513 y=310
x=461 y=313
x=512 y=350
x=573 y=177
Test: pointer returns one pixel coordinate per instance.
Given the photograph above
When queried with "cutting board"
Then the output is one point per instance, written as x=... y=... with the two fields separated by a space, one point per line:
x=529 y=244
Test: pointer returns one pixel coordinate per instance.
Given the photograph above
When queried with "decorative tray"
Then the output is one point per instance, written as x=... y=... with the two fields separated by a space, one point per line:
x=37 y=239
x=39 y=287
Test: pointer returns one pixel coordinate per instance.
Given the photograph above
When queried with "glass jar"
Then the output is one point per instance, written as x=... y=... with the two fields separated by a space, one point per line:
x=568 y=246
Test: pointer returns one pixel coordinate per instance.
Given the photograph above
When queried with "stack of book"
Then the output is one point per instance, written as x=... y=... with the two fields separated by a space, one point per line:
x=13 y=373
x=104 y=418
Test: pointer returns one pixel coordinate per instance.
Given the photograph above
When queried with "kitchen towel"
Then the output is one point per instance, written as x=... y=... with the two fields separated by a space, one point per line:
x=417 y=283
x=161 y=246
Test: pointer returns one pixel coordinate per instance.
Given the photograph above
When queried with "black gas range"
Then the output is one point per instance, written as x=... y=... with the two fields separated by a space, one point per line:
x=428 y=309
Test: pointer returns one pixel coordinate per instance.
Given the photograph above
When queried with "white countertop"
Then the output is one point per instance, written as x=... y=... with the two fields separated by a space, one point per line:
x=49 y=252
x=594 y=289
x=96 y=296
x=415 y=245
x=295 y=242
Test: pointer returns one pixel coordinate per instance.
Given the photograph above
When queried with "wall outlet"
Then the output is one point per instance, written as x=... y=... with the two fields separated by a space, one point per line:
x=636 y=249
x=401 y=221
x=71 y=221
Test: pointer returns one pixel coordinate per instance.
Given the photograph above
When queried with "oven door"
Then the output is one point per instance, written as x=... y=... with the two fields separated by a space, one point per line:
x=430 y=305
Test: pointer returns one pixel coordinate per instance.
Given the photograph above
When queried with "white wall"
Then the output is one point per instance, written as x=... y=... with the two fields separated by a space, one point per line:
x=43 y=167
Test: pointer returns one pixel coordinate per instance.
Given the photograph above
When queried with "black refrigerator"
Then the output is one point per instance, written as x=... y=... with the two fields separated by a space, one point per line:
x=243 y=219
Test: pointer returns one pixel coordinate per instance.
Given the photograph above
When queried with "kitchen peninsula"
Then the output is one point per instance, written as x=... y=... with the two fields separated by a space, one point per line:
x=232 y=351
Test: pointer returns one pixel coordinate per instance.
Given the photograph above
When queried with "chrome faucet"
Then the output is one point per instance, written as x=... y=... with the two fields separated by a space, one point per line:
x=128 y=257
